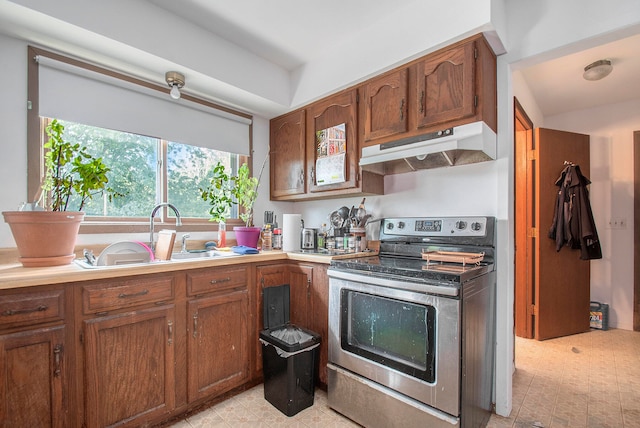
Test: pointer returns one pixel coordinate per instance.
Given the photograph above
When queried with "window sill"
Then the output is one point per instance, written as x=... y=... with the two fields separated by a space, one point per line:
x=90 y=226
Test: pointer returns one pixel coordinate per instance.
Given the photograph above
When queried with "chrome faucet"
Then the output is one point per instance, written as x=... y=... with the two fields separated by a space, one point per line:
x=184 y=243
x=153 y=214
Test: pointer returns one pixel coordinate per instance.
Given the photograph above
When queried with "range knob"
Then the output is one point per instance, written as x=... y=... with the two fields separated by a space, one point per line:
x=390 y=226
x=460 y=225
x=476 y=226
x=401 y=225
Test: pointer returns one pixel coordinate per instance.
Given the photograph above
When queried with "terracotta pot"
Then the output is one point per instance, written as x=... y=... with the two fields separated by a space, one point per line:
x=44 y=238
x=247 y=236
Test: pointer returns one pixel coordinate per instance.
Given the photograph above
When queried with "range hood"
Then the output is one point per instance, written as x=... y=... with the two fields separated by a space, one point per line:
x=460 y=145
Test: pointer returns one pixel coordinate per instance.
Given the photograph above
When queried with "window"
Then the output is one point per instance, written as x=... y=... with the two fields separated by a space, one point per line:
x=137 y=171
x=191 y=136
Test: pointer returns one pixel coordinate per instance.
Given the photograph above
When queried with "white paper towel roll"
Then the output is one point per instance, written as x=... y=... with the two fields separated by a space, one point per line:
x=291 y=225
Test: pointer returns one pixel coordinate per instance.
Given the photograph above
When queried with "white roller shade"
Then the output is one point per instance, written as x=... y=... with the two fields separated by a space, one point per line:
x=79 y=95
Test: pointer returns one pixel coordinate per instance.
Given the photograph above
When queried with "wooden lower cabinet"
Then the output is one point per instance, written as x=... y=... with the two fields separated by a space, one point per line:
x=129 y=367
x=33 y=390
x=217 y=344
x=141 y=349
x=309 y=290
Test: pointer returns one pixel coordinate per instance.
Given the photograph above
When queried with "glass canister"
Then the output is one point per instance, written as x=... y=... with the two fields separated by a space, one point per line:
x=277 y=239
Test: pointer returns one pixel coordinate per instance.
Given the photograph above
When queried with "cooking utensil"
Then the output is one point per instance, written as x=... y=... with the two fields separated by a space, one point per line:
x=363 y=221
x=361 y=211
x=344 y=212
x=336 y=219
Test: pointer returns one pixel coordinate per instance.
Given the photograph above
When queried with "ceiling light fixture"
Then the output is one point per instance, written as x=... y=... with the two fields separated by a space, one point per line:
x=175 y=81
x=598 y=70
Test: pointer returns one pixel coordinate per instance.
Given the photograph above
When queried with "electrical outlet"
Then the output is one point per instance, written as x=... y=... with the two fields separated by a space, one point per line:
x=617 y=223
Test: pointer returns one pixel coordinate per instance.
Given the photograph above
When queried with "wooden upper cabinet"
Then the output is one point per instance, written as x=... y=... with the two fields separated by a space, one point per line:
x=383 y=106
x=446 y=86
x=287 y=155
x=335 y=118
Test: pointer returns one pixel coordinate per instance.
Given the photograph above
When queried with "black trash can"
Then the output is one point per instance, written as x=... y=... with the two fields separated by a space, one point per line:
x=290 y=355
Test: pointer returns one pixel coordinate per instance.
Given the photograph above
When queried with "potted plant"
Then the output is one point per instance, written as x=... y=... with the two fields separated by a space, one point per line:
x=47 y=237
x=242 y=189
x=245 y=192
x=219 y=196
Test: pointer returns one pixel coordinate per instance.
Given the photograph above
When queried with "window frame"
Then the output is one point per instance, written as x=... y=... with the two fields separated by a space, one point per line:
x=95 y=224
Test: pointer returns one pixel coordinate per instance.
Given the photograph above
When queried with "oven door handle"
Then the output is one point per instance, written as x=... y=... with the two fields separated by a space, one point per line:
x=384 y=282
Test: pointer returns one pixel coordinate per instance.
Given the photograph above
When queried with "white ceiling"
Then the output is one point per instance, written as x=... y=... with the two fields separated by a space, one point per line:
x=558 y=86
x=306 y=30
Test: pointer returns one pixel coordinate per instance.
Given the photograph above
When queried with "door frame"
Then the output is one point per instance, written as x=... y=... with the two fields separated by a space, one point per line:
x=636 y=230
x=524 y=222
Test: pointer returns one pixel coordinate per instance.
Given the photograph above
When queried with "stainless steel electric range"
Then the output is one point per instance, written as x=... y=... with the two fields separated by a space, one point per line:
x=411 y=331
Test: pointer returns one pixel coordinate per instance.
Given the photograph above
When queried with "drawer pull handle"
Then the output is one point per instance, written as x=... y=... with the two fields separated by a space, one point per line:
x=10 y=312
x=170 y=332
x=195 y=326
x=220 y=281
x=57 y=351
x=141 y=293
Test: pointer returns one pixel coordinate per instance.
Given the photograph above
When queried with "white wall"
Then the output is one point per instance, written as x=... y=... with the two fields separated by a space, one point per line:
x=13 y=132
x=611 y=130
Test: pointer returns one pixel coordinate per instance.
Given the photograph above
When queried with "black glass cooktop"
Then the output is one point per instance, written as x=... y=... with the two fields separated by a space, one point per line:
x=413 y=269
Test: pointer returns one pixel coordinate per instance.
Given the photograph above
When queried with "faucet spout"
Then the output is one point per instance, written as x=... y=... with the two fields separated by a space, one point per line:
x=153 y=214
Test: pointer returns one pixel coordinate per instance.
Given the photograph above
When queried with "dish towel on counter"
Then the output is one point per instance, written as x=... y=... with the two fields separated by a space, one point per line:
x=242 y=249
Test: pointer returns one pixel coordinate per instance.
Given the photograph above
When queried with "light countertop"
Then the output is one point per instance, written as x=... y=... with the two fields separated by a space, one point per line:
x=14 y=275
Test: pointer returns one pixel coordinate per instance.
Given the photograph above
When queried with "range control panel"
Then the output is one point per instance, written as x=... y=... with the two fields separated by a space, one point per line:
x=434 y=226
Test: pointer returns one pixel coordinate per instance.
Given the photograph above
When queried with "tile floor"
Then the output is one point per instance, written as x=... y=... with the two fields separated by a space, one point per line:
x=585 y=380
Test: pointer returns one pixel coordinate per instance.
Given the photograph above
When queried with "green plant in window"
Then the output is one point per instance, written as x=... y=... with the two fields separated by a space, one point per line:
x=245 y=190
x=71 y=170
x=224 y=190
x=219 y=194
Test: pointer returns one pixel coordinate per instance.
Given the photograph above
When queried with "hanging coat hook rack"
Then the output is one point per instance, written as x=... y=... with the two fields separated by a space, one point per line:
x=568 y=163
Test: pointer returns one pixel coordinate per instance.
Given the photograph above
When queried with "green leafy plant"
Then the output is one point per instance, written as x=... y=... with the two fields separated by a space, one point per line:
x=245 y=190
x=225 y=190
x=70 y=170
x=218 y=194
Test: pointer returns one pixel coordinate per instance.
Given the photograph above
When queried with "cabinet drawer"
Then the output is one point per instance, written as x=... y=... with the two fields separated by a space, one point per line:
x=31 y=307
x=126 y=293
x=215 y=280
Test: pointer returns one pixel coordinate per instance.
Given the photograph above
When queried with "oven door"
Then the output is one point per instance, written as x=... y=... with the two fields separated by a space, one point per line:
x=405 y=340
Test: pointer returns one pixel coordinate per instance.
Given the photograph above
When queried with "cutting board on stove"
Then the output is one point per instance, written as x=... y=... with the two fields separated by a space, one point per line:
x=164 y=246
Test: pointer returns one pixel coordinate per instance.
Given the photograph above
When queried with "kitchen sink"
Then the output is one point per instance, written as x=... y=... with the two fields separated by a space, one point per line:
x=196 y=254
x=177 y=257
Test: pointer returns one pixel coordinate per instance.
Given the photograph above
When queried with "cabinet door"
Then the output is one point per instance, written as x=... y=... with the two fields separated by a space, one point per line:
x=445 y=87
x=335 y=120
x=218 y=344
x=287 y=155
x=300 y=279
x=320 y=314
x=266 y=276
x=383 y=106
x=32 y=378
x=129 y=367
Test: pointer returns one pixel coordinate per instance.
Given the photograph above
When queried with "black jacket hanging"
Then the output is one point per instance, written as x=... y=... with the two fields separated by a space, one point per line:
x=573 y=223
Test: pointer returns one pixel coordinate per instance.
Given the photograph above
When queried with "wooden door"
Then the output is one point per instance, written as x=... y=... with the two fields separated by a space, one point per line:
x=525 y=165
x=562 y=284
x=383 y=106
x=129 y=367
x=218 y=344
x=287 y=155
x=636 y=231
x=32 y=374
x=446 y=86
